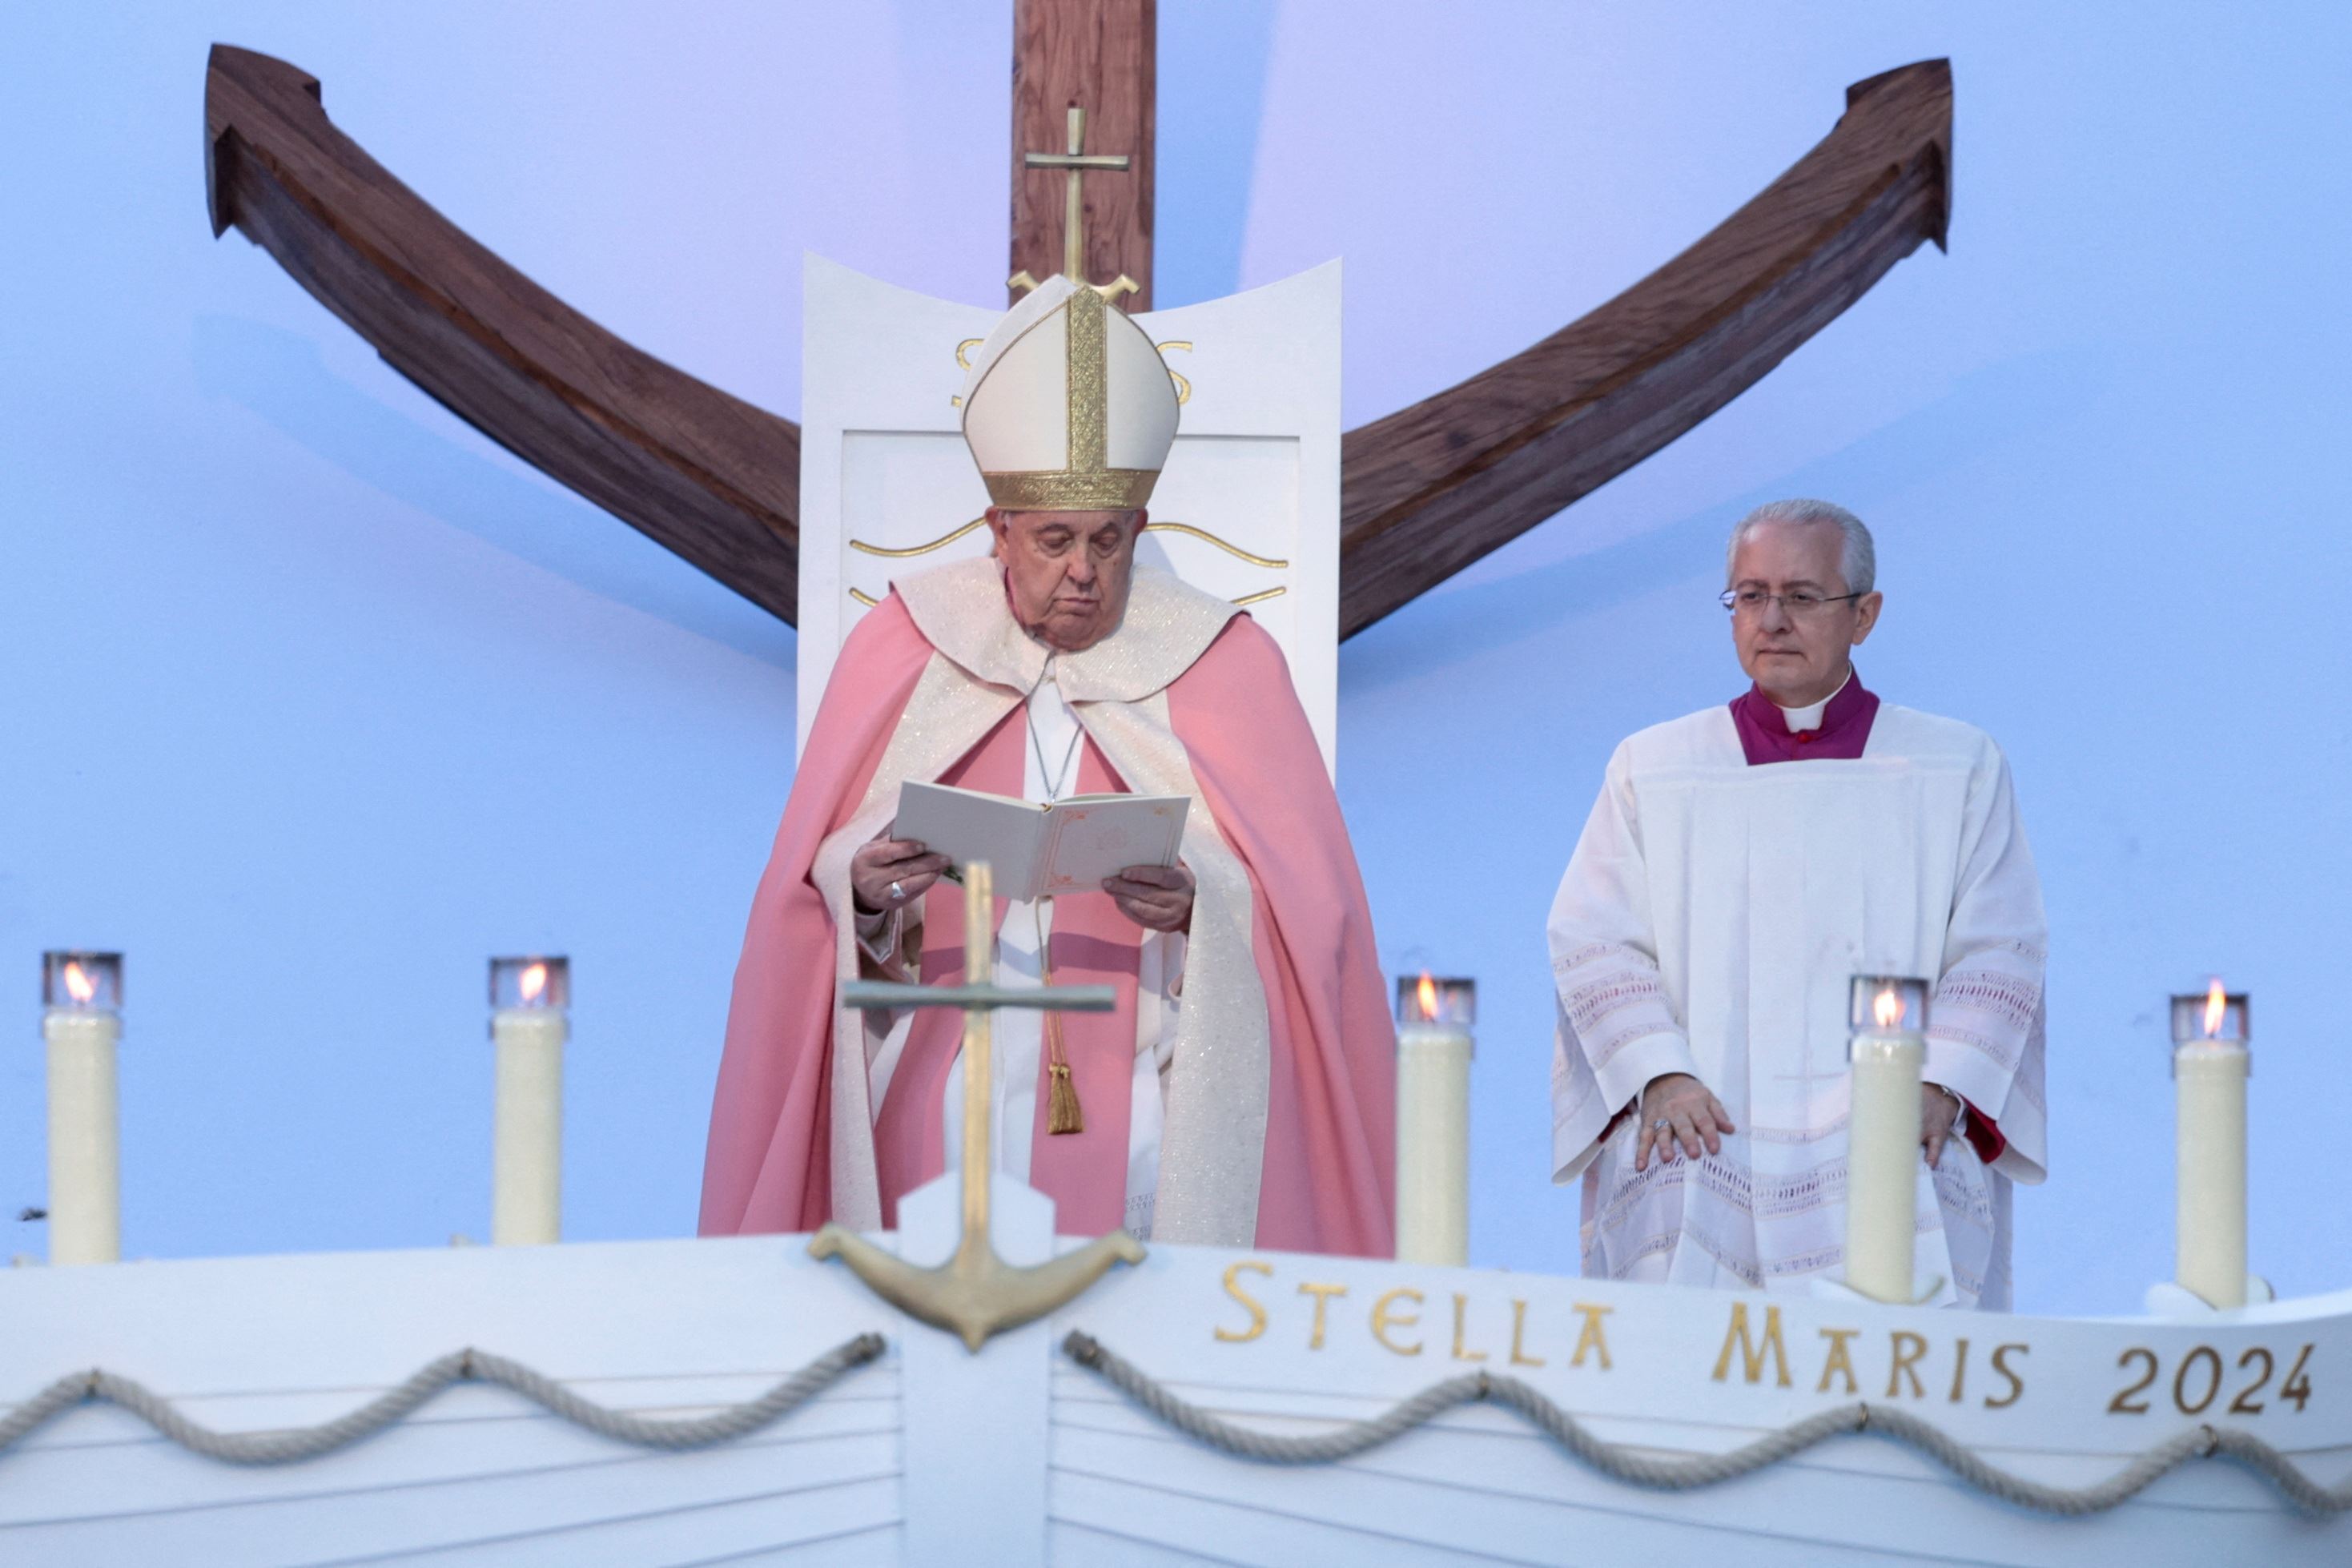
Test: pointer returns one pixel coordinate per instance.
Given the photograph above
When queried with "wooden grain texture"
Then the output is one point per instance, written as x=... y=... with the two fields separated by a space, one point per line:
x=1101 y=55
x=1433 y=488
x=1425 y=491
x=707 y=475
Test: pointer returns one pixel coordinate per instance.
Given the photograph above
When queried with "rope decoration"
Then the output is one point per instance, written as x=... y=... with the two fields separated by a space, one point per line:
x=1626 y=1463
x=294 y=1444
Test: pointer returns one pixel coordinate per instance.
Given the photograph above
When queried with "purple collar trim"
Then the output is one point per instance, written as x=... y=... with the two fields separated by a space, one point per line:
x=1765 y=735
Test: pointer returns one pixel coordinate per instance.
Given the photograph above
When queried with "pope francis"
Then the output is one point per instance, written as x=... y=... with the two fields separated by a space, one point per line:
x=1242 y=1093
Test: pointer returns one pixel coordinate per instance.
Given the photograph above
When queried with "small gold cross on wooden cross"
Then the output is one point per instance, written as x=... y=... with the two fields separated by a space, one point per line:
x=1077 y=161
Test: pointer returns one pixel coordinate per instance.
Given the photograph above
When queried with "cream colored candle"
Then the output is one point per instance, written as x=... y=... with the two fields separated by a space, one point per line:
x=526 y=1158
x=82 y=1026
x=1435 y=1048
x=1882 y=1160
x=2210 y=1068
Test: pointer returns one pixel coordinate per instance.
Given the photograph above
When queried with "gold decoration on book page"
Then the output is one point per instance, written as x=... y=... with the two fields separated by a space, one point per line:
x=975 y=1294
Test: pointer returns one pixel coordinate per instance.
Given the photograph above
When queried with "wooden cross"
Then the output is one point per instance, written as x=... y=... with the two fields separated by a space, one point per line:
x=1077 y=161
x=1102 y=54
x=1424 y=491
x=975 y=1293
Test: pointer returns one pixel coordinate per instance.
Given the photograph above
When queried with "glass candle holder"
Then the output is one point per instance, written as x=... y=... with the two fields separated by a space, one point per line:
x=1428 y=999
x=81 y=982
x=1885 y=1005
x=530 y=984
x=2212 y=1015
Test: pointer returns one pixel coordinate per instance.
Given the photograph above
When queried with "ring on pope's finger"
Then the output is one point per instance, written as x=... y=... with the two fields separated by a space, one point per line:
x=1661 y=1125
x=897 y=892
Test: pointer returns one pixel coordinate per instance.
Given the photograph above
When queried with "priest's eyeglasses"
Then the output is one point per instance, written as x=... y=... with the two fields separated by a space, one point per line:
x=1804 y=602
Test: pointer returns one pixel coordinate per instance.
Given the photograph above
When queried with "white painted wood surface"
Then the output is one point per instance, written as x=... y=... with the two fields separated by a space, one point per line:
x=1255 y=466
x=1020 y=1456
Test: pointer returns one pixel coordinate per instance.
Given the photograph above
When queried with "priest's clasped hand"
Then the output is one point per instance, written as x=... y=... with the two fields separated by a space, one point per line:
x=1939 y=1118
x=1157 y=897
x=888 y=873
x=1678 y=1109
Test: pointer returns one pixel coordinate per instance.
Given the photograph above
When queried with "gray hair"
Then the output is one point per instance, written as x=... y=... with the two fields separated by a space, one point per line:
x=1857 y=557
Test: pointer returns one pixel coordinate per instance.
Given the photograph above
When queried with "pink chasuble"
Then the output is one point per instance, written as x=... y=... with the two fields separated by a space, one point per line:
x=1322 y=1171
x=1091 y=944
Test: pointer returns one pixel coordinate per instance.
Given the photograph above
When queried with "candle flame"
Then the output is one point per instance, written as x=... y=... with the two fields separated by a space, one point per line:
x=1427 y=996
x=534 y=981
x=2217 y=1007
x=1888 y=1008
x=79 y=985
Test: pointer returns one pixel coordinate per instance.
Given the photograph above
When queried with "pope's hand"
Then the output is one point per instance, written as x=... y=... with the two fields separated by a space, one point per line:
x=1157 y=897
x=1939 y=1112
x=1676 y=1108
x=891 y=872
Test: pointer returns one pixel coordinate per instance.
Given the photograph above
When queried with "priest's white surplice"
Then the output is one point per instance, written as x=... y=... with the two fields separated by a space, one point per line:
x=1710 y=920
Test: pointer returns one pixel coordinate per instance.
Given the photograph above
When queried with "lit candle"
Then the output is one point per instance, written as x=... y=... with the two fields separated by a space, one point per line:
x=2209 y=1065
x=81 y=997
x=1889 y=1014
x=528 y=1021
x=1434 y=1051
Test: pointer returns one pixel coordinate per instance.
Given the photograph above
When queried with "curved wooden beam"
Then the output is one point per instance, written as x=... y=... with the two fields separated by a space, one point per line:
x=1425 y=491
x=709 y=476
x=1430 y=488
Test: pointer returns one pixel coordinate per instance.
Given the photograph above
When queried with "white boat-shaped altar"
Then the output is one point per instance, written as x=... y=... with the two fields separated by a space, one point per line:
x=904 y=1446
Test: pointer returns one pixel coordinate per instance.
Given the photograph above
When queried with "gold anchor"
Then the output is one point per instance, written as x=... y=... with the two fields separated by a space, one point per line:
x=975 y=1293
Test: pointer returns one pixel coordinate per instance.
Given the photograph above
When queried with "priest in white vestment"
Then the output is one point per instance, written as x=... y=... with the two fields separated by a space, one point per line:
x=1741 y=865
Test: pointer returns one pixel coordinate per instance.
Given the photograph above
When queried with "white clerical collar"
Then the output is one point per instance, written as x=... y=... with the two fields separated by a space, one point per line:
x=1811 y=718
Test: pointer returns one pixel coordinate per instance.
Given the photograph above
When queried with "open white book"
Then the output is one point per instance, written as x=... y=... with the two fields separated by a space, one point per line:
x=1038 y=850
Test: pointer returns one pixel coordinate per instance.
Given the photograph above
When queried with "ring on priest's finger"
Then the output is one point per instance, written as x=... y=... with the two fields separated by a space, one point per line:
x=1661 y=1125
x=897 y=894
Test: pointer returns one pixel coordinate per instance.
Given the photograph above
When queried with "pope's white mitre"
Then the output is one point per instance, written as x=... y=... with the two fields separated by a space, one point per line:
x=1069 y=407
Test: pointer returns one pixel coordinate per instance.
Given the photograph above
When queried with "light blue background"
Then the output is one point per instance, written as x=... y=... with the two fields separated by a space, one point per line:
x=314 y=697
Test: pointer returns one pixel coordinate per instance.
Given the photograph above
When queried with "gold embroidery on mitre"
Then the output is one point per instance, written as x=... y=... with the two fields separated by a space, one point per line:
x=1105 y=490
x=1089 y=384
x=1087 y=482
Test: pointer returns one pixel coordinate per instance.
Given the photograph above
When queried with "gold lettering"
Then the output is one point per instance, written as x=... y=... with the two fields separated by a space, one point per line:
x=1256 y=1312
x=1591 y=1337
x=1322 y=1294
x=1383 y=1320
x=1841 y=1359
x=1752 y=1353
x=1461 y=1305
x=2016 y=1384
x=1519 y=1334
x=1959 y=1372
x=1905 y=1363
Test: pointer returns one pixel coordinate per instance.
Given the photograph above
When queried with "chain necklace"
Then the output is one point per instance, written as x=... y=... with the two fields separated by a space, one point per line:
x=1052 y=777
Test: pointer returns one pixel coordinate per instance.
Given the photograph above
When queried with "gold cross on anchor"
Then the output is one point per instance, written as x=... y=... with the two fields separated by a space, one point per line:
x=1077 y=161
x=975 y=1293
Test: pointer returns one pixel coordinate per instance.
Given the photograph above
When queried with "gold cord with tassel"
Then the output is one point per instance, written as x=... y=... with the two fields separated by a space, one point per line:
x=1063 y=1112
